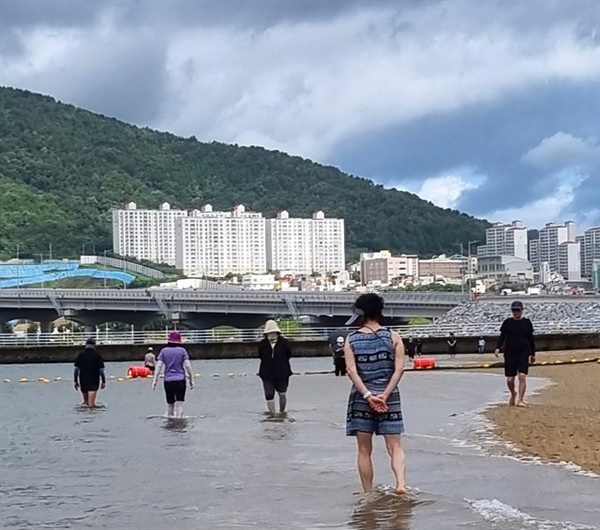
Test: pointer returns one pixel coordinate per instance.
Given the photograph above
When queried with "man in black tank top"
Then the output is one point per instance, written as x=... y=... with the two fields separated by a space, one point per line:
x=516 y=337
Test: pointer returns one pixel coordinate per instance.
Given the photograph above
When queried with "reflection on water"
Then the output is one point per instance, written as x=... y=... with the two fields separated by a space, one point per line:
x=175 y=424
x=383 y=511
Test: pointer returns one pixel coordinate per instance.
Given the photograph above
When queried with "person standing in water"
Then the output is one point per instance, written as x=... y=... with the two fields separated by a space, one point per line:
x=516 y=336
x=176 y=363
x=274 y=353
x=411 y=348
x=339 y=362
x=150 y=360
x=375 y=363
x=89 y=371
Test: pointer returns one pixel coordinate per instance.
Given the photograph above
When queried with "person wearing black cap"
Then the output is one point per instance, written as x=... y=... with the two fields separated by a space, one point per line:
x=89 y=370
x=516 y=337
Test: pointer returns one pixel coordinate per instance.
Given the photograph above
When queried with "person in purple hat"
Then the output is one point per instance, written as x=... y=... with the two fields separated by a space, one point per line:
x=516 y=337
x=176 y=363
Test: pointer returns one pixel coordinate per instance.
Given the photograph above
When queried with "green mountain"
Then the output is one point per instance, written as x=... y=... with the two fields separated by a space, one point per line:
x=62 y=169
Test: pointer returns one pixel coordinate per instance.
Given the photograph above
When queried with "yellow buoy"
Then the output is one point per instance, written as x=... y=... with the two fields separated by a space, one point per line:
x=129 y=377
x=587 y=359
x=196 y=375
x=573 y=360
x=45 y=381
x=230 y=376
x=486 y=365
x=40 y=379
x=544 y=362
x=558 y=362
x=112 y=377
x=7 y=380
x=120 y=379
x=59 y=378
x=24 y=380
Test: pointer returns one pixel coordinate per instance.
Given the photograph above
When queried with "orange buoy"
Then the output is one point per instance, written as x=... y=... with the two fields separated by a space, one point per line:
x=139 y=371
x=424 y=364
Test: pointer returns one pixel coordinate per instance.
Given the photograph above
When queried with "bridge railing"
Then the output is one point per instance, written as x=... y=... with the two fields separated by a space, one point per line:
x=216 y=335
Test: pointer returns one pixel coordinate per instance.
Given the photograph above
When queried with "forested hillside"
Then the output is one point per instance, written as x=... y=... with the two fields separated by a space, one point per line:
x=62 y=169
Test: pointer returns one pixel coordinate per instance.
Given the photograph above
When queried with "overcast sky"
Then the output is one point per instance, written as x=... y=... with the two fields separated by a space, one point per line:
x=491 y=107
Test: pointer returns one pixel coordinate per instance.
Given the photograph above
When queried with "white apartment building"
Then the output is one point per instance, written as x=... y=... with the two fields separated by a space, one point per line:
x=381 y=267
x=328 y=244
x=304 y=246
x=581 y=241
x=289 y=244
x=551 y=236
x=569 y=260
x=591 y=249
x=534 y=253
x=218 y=243
x=146 y=234
x=505 y=239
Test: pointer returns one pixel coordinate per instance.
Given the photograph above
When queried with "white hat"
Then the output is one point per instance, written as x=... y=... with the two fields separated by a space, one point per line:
x=340 y=340
x=271 y=327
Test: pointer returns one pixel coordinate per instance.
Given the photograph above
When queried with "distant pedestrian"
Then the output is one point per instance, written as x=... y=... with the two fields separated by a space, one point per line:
x=452 y=345
x=419 y=348
x=150 y=360
x=516 y=337
x=339 y=362
x=411 y=348
x=481 y=345
x=175 y=360
x=275 y=370
x=375 y=361
x=89 y=371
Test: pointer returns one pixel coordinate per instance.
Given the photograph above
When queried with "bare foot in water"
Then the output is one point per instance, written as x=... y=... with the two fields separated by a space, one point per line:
x=401 y=490
x=521 y=404
x=512 y=400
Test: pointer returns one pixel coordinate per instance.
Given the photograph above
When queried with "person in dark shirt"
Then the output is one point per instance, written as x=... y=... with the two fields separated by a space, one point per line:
x=411 y=348
x=516 y=338
x=339 y=362
x=89 y=370
x=274 y=353
x=452 y=345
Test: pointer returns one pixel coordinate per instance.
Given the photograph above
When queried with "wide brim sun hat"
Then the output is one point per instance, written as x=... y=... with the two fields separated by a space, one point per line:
x=271 y=327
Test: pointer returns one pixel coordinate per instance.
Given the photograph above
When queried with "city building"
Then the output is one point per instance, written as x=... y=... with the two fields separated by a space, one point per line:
x=446 y=267
x=591 y=250
x=304 y=246
x=551 y=236
x=259 y=282
x=596 y=274
x=146 y=234
x=381 y=267
x=215 y=244
x=505 y=239
x=581 y=241
x=569 y=260
x=534 y=253
x=509 y=268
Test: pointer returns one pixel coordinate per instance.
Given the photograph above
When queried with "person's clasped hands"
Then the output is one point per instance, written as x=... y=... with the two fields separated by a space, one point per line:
x=378 y=403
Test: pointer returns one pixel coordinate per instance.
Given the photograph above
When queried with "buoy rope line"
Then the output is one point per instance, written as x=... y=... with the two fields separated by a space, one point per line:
x=58 y=379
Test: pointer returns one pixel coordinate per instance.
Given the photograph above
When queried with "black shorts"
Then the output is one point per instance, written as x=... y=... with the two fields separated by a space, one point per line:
x=89 y=384
x=175 y=391
x=271 y=386
x=150 y=367
x=516 y=365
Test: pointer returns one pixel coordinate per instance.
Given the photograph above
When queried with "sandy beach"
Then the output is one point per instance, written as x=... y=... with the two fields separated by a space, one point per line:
x=562 y=422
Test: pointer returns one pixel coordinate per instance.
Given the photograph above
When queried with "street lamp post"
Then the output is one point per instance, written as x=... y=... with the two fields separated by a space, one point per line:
x=105 y=269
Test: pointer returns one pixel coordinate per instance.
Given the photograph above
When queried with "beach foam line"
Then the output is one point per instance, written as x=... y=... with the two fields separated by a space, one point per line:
x=496 y=512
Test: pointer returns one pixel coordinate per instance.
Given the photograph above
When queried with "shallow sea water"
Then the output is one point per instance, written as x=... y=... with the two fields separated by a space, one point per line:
x=228 y=466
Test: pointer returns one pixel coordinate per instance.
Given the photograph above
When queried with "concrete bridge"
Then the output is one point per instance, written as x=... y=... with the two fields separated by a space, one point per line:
x=205 y=309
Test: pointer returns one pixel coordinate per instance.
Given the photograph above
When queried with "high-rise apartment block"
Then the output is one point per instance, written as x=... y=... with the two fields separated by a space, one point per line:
x=569 y=260
x=304 y=246
x=218 y=243
x=505 y=240
x=591 y=249
x=551 y=236
x=211 y=243
x=146 y=234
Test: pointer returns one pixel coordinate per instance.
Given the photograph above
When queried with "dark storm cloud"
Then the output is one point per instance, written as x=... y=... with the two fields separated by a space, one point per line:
x=489 y=139
x=434 y=87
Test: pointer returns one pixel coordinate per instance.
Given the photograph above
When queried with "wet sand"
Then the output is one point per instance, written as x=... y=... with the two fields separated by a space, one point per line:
x=562 y=422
